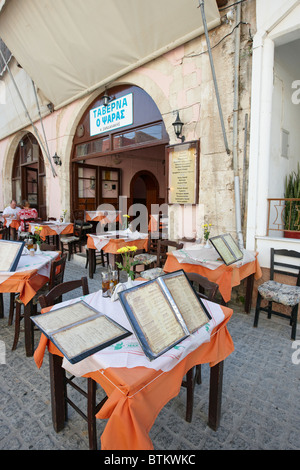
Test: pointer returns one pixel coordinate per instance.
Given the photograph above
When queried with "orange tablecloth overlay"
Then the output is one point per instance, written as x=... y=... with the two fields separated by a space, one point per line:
x=14 y=224
x=47 y=230
x=226 y=277
x=115 y=243
x=136 y=395
x=101 y=217
x=26 y=283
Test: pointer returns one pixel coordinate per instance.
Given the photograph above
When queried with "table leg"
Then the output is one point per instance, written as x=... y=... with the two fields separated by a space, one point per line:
x=57 y=386
x=249 y=292
x=91 y=255
x=1 y=306
x=215 y=395
x=28 y=326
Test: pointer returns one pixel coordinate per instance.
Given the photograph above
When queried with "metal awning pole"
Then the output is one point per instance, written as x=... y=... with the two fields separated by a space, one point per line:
x=201 y=5
x=27 y=114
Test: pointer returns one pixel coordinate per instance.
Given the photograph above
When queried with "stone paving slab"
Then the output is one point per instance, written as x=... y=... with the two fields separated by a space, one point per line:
x=260 y=403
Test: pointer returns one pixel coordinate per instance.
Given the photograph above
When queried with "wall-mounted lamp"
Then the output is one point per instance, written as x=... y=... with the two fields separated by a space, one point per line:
x=106 y=98
x=178 y=125
x=56 y=159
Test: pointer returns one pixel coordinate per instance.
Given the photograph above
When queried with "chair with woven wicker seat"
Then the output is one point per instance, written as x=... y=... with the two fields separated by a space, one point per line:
x=56 y=277
x=286 y=295
x=161 y=258
x=72 y=241
x=148 y=259
x=52 y=298
x=204 y=289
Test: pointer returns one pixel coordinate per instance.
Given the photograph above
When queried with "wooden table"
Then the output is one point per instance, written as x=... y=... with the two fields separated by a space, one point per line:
x=32 y=273
x=105 y=217
x=226 y=277
x=52 y=229
x=110 y=242
x=137 y=388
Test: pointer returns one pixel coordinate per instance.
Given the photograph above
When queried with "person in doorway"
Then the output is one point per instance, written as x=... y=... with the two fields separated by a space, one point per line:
x=26 y=213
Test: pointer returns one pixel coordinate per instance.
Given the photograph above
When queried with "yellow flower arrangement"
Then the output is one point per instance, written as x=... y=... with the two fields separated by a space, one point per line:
x=37 y=234
x=206 y=231
x=127 y=253
x=125 y=221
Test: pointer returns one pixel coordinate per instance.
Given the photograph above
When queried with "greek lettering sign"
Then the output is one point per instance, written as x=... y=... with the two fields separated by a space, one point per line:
x=118 y=113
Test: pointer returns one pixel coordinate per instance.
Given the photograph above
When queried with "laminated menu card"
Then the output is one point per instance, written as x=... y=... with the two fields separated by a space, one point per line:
x=10 y=252
x=163 y=312
x=79 y=330
x=227 y=248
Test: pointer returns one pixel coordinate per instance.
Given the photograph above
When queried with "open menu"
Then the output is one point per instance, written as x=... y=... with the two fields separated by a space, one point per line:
x=163 y=312
x=227 y=248
x=79 y=330
x=10 y=252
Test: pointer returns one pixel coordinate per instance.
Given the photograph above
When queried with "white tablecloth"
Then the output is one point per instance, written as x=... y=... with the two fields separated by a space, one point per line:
x=128 y=352
x=40 y=262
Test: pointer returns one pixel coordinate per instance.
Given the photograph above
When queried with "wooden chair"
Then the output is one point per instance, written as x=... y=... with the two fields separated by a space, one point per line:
x=148 y=259
x=52 y=298
x=79 y=215
x=205 y=289
x=96 y=255
x=57 y=271
x=284 y=294
x=74 y=240
x=161 y=254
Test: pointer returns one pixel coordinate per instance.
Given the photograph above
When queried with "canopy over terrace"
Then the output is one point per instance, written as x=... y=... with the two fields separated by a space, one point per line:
x=72 y=47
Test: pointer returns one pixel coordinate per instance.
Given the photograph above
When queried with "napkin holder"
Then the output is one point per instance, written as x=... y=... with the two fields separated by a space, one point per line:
x=119 y=288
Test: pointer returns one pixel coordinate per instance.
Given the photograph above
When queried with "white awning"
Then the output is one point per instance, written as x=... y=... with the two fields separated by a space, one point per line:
x=72 y=47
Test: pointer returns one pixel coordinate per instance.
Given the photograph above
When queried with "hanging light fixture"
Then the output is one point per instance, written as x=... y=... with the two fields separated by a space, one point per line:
x=56 y=159
x=106 y=98
x=178 y=125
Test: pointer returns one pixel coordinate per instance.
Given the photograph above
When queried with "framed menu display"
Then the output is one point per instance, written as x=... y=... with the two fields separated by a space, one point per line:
x=79 y=330
x=227 y=248
x=183 y=173
x=10 y=252
x=163 y=312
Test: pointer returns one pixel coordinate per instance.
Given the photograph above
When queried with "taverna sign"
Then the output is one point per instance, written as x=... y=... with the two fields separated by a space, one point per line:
x=118 y=113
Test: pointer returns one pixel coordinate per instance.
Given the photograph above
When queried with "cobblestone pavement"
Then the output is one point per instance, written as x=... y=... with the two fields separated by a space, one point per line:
x=260 y=402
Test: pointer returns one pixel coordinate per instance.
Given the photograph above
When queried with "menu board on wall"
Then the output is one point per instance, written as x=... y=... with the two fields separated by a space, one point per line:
x=183 y=173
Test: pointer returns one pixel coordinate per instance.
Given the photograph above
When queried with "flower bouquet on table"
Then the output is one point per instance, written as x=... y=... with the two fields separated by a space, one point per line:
x=37 y=236
x=206 y=233
x=63 y=216
x=125 y=221
x=127 y=253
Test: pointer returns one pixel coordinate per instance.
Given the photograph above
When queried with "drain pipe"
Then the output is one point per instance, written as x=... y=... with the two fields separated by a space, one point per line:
x=235 y=130
x=201 y=5
x=235 y=114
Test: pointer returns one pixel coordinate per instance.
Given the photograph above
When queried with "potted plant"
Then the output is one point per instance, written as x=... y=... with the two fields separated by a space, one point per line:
x=292 y=208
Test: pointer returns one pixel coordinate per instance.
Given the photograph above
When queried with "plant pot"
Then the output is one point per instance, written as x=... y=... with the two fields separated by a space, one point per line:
x=291 y=234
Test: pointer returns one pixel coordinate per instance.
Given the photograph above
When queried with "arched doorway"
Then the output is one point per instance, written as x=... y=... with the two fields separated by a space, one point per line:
x=144 y=189
x=28 y=174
